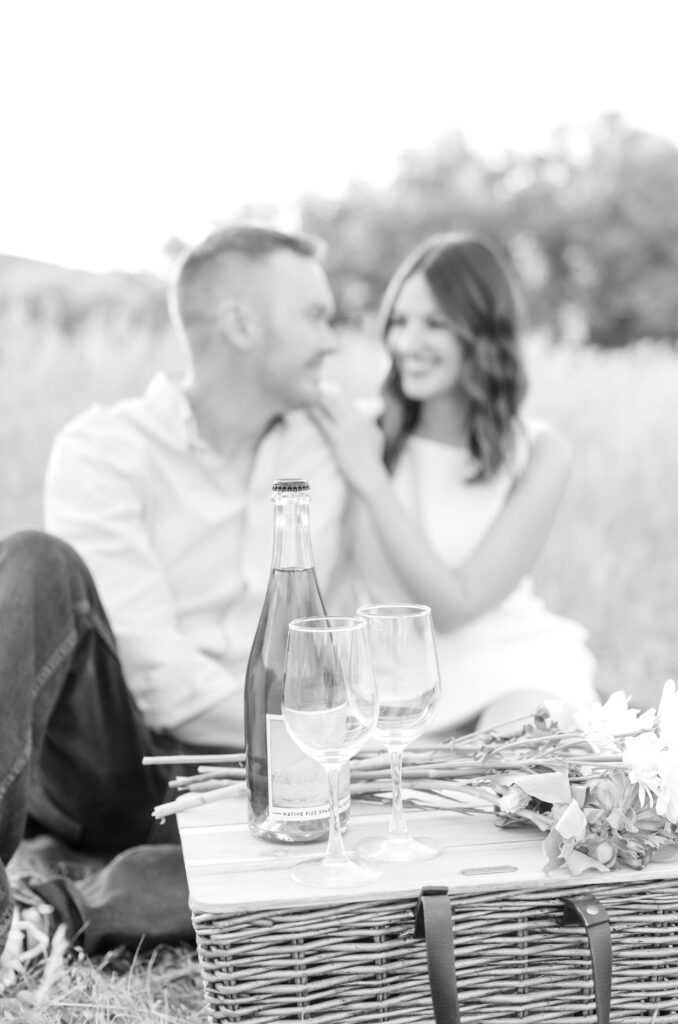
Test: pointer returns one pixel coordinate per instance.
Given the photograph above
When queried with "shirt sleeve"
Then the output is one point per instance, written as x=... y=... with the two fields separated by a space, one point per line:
x=96 y=500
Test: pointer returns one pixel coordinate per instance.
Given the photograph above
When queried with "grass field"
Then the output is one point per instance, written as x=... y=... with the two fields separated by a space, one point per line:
x=609 y=562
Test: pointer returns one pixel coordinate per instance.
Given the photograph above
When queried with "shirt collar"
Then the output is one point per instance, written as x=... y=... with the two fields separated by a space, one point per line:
x=166 y=397
x=165 y=394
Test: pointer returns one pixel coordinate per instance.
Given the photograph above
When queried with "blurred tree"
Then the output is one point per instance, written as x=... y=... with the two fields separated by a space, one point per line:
x=369 y=231
x=607 y=224
x=628 y=221
x=591 y=225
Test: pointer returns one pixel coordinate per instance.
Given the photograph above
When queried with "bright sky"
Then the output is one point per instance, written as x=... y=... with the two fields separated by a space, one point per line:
x=124 y=122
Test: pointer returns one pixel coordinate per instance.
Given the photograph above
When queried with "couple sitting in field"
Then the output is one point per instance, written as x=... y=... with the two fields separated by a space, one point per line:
x=125 y=630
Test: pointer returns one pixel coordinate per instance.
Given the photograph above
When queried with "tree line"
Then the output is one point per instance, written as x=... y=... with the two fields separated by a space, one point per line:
x=590 y=225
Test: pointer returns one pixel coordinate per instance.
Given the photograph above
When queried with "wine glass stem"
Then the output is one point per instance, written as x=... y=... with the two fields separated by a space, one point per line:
x=336 y=852
x=398 y=828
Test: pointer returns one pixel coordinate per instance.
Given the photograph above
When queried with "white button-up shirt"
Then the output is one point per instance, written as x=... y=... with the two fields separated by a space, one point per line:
x=179 y=548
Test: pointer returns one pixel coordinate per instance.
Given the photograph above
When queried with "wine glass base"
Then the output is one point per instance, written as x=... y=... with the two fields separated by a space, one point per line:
x=337 y=874
x=400 y=851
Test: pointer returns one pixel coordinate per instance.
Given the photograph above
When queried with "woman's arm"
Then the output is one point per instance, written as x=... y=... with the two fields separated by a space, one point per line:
x=506 y=553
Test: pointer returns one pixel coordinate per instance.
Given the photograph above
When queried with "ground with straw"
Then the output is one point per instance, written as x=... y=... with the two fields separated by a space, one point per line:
x=162 y=987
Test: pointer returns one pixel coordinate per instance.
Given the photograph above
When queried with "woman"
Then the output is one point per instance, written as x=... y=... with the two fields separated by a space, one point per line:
x=458 y=509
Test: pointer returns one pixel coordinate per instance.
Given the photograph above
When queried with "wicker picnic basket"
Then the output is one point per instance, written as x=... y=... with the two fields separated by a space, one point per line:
x=514 y=959
x=274 y=951
x=576 y=921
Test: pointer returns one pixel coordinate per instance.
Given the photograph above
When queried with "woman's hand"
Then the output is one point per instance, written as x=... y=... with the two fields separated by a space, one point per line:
x=355 y=440
x=503 y=556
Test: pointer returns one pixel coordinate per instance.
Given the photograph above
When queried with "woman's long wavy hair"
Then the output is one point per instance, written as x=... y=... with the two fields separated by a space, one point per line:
x=473 y=289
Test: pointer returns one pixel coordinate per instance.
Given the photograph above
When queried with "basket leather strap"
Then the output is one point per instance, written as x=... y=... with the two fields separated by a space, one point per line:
x=433 y=922
x=594 y=917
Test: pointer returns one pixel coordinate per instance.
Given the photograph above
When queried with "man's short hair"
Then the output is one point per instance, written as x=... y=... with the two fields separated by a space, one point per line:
x=248 y=241
x=224 y=252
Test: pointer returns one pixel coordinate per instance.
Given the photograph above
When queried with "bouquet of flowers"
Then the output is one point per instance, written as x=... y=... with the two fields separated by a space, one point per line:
x=602 y=784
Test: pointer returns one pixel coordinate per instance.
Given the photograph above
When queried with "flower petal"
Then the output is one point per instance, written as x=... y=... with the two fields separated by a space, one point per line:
x=578 y=862
x=551 y=787
x=572 y=822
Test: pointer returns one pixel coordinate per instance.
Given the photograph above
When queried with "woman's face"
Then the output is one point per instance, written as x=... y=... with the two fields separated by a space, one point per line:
x=422 y=342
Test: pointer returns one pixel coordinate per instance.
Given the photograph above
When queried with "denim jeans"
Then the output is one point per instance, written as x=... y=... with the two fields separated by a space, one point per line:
x=71 y=744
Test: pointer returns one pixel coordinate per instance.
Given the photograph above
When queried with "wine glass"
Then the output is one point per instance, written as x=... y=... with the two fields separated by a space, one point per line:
x=405 y=661
x=329 y=705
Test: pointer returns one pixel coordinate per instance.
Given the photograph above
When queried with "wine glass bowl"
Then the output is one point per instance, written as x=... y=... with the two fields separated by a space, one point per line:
x=329 y=705
x=401 y=643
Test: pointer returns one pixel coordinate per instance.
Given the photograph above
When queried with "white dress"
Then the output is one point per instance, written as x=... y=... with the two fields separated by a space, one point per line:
x=518 y=645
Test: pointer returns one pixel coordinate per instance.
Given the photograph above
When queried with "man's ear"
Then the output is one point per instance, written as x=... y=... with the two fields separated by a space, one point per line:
x=238 y=323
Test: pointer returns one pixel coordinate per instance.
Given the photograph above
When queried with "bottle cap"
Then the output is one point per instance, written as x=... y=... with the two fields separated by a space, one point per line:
x=291 y=485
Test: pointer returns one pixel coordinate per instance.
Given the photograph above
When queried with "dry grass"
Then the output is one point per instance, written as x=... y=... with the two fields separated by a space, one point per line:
x=609 y=562
x=163 y=987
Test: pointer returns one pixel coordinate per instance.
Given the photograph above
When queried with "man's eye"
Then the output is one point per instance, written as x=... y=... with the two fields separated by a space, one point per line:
x=395 y=321
x=438 y=324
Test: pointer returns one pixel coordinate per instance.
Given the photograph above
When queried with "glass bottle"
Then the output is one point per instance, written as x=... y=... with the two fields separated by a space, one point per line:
x=286 y=789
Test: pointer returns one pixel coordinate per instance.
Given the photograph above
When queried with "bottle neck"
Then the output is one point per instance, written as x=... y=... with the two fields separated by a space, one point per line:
x=292 y=534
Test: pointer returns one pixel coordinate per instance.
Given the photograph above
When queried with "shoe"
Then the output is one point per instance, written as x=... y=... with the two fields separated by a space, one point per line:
x=43 y=857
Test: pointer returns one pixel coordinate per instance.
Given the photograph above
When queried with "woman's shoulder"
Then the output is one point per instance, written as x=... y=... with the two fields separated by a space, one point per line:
x=537 y=438
x=533 y=427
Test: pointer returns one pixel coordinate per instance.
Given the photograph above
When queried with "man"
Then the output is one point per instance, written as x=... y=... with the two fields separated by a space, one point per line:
x=166 y=500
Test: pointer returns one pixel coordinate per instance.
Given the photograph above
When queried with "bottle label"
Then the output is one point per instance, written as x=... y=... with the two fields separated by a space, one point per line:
x=297 y=785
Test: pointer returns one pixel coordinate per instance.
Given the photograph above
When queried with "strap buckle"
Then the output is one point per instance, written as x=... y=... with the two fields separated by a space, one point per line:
x=419 y=922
